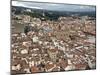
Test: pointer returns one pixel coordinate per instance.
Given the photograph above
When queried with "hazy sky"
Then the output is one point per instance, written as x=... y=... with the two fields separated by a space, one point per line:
x=53 y=6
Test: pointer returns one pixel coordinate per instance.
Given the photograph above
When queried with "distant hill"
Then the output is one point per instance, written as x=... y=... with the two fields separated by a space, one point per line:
x=48 y=14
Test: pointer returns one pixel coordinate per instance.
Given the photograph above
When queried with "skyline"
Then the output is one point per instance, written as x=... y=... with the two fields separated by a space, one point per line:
x=54 y=6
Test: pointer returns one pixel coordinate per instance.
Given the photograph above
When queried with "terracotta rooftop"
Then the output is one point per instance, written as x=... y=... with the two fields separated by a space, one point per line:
x=63 y=64
x=53 y=50
x=80 y=66
x=34 y=69
x=49 y=66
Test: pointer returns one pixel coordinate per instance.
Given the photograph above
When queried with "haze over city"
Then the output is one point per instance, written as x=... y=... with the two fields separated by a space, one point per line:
x=54 y=6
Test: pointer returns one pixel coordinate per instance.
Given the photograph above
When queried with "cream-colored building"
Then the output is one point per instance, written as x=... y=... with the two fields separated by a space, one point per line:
x=53 y=54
